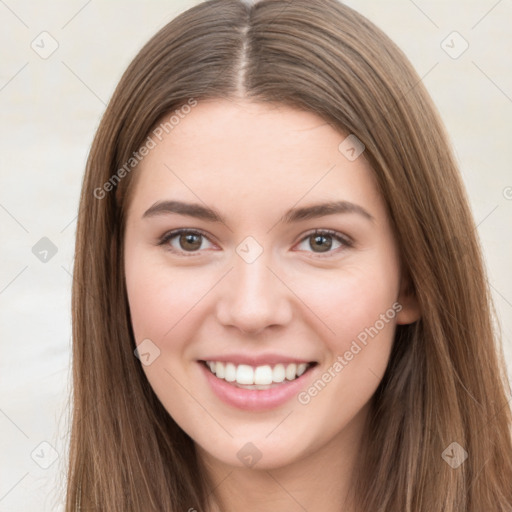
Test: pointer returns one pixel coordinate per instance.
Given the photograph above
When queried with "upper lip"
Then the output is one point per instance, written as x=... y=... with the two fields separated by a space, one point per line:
x=256 y=360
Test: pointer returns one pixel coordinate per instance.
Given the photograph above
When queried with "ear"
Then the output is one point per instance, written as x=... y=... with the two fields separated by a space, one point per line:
x=410 y=311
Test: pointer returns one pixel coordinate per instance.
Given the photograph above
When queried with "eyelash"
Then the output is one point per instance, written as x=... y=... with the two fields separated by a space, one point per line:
x=345 y=241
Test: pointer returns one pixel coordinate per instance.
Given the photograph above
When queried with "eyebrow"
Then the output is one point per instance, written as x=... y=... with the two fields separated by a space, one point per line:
x=293 y=215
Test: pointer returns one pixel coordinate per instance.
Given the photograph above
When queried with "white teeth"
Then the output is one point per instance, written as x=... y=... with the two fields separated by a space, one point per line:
x=278 y=373
x=291 y=371
x=264 y=376
x=301 y=369
x=219 y=369
x=244 y=374
x=230 y=374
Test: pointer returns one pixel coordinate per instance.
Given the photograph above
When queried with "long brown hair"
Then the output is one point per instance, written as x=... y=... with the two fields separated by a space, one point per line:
x=445 y=382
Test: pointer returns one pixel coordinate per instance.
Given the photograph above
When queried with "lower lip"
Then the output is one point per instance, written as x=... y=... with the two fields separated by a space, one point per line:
x=255 y=399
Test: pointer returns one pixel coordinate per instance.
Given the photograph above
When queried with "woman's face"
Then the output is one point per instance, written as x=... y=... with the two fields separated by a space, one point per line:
x=251 y=288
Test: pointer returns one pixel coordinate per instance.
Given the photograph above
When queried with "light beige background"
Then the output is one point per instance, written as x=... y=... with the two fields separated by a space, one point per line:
x=50 y=109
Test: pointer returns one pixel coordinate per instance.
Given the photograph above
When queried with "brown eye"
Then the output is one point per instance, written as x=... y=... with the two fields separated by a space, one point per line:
x=190 y=242
x=322 y=242
x=183 y=241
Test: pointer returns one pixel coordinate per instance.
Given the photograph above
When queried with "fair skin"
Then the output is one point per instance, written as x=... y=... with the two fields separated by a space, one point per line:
x=251 y=163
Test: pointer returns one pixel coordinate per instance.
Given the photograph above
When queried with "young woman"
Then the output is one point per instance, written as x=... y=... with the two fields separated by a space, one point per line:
x=279 y=299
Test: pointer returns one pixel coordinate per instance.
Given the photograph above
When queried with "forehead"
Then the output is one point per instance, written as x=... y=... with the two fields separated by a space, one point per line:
x=252 y=155
x=231 y=130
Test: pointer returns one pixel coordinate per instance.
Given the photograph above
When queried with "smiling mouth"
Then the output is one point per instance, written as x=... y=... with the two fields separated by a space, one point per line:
x=257 y=377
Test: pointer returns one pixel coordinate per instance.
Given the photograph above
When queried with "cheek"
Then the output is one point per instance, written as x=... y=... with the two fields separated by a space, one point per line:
x=357 y=309
x=360 y=307
x=363 y=315
x=159 y=297
x=161 y=304
x=348 y=302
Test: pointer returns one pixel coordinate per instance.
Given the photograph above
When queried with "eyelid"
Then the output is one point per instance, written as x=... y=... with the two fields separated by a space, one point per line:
x=175 y=232
x=345 y=240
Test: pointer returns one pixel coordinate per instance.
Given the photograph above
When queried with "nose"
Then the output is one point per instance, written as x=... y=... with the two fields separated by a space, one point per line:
x=253 y=297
